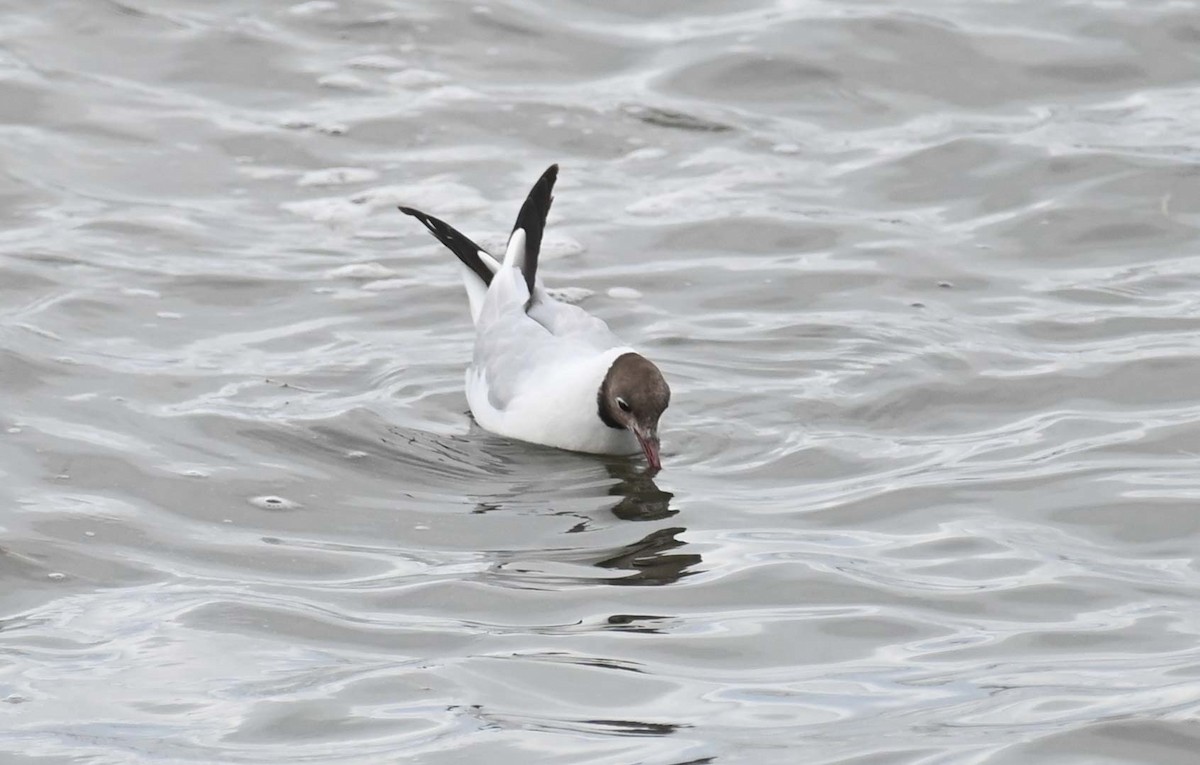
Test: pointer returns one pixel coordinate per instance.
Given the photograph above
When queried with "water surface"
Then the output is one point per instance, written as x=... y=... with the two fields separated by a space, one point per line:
x=924 y=279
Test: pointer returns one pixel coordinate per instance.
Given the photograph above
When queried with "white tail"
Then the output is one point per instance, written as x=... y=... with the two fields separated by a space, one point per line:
x=475 y=286
x=514 y=256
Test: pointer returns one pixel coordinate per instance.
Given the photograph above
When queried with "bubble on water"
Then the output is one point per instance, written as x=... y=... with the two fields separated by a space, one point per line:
x=301 y=122
x=335 y=212
x=570 y=294
x=361 y=271
x=667 y=203
x=417 y=78
x=89 y=533
x=378 y=235
x=272 y=502
x=624 y=293
x=382 y=285
x=342 y=82
x=338 y=176
x=560 y=246
x=14 y=698
x=377 y=61
x=264 y=173
x=56 y=576
x=645 y=153
x=312 y=8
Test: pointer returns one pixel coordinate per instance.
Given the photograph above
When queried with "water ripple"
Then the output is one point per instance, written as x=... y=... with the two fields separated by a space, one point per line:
x=922 y=281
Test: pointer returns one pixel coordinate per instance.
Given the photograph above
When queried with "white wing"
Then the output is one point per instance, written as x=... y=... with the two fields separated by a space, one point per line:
x=514 y=348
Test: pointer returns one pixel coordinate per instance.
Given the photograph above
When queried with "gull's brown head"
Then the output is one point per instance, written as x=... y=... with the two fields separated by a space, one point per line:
x=633 y=397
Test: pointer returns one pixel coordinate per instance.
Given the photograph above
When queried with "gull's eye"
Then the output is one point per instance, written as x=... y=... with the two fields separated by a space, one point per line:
x=623 y=404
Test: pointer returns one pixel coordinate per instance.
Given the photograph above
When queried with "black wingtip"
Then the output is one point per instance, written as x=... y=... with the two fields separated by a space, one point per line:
x=532 y=218
x=455 y=241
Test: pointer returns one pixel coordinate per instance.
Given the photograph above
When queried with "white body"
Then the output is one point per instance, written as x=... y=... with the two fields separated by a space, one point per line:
x=538 y=364
x=558 y=407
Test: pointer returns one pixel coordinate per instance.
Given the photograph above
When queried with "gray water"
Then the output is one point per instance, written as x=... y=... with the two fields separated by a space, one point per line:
x=925 y=280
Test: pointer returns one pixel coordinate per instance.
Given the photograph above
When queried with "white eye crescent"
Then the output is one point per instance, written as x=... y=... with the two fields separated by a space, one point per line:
x=623 y=404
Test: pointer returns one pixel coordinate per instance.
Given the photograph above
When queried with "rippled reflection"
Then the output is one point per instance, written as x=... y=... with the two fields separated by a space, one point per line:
x=648 y=558
x=641 y=499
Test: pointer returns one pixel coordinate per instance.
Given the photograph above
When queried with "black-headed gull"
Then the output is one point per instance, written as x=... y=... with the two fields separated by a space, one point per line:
x=545 y=371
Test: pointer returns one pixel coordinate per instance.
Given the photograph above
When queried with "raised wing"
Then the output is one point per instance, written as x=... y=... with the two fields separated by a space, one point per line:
x=532 y=220
x=476 y=264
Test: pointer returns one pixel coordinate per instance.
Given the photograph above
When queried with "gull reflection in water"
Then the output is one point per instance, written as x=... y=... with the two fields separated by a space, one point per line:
x=648 y=558
x=641 y=499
